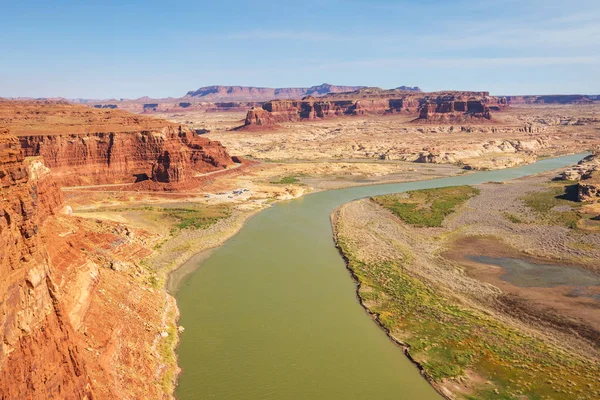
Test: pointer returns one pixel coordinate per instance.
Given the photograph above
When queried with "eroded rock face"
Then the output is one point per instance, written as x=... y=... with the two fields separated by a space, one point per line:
x=39 y=357
x=437 y=107
x=259 y=117
x=456 y=108
x=587 y=172
x=87 y=146
x=168 y=155
x=589 y=182
x=589 y=187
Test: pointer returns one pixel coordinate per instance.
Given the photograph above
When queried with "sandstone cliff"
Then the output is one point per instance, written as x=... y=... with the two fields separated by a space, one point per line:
x=587 y=172
x=589 y=187
x=39 y=357
x=79 y=317
x=436 y=107
x=89 y=146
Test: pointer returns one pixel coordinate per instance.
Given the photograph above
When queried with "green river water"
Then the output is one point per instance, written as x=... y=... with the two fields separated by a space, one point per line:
x=273 y=313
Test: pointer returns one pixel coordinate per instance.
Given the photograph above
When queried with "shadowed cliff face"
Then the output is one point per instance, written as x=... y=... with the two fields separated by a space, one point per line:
x=65 y=333
x=39 y=358
x=436 y=107
x=90 y=146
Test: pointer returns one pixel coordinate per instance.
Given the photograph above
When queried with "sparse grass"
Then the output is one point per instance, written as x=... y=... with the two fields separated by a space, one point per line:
x=166 y=351
x=448 y=338
x=426 y=208
x=196 y=218
x=513 y=218
x=286 y=180
x=547 y=204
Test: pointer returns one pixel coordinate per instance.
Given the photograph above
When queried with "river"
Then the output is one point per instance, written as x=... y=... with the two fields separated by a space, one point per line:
x=273 y=313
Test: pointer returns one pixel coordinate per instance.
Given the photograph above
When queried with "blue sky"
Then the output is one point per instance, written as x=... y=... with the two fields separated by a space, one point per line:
x=104 y=49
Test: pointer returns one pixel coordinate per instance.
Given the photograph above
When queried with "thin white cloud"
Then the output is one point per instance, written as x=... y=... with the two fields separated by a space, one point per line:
x=576 y=30
x=466 y=62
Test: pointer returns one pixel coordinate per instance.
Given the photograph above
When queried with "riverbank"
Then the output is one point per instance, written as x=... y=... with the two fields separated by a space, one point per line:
x=172 y=248
x=485 y=347
x=176 y=231
x=238 y=280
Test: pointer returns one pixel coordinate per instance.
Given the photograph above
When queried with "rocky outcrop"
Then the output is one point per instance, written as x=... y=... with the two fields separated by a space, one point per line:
x=39 y=358
x=259 y=117
x=409 y=88
x=108 y=146
x=493 y=154
x=437 y=107
x=589 y=187
x=587 y=172
x=455 y=108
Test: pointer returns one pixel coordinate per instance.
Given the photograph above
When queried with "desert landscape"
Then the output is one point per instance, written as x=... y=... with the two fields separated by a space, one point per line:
x=108 y=203
x=186 y=213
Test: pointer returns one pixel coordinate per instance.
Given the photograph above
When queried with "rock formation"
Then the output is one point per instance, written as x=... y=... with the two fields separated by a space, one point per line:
x=409 y=88
x=90 y=146
x=64 y=278
x=587 y=172
x=443 y=106
x=456 y=107
x=39 y=357
x=589 y=187
x=221 y=98
x=250 y=93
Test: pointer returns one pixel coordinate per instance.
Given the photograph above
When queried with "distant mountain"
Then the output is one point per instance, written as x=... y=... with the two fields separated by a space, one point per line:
x=409 y=89
x=221 y=97
x=251 y=93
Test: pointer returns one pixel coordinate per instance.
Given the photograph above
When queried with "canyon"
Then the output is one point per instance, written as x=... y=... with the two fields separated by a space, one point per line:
x=99 y=205
x=78 y=320
x=91 y=146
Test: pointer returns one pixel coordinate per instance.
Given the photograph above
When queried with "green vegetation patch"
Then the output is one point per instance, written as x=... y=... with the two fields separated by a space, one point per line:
x=286 y=180
x=557 y=205
x=196 y=218
x=448 y=339
x=513 y=218
x=166 y=351
x=429 y=207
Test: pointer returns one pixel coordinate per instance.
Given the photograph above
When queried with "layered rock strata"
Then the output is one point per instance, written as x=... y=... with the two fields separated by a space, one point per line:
x=39 y=357
x=587 y=174
x=88 y=146
x=450 y=106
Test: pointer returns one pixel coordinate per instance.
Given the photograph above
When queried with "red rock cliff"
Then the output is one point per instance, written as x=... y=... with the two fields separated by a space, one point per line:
x=89 y=146
x=446 y=106
x=39 y=358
